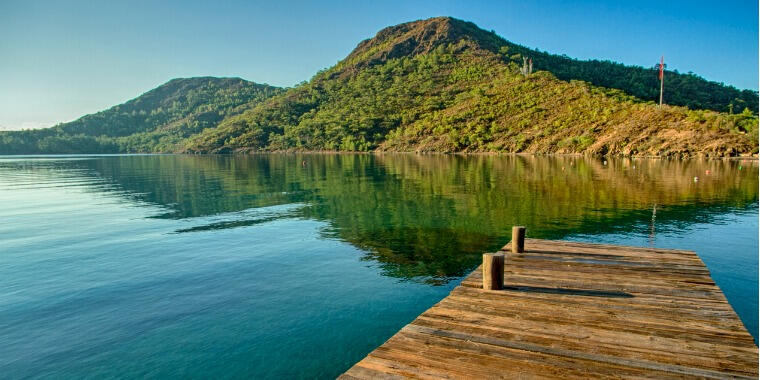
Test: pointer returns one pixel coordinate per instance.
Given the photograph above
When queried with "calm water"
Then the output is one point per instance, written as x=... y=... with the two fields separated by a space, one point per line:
x=259 y=266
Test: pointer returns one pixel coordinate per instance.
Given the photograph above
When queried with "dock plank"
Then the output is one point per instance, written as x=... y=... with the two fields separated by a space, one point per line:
x=575 y=310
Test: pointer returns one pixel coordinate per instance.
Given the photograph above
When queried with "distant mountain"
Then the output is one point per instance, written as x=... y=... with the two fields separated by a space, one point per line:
x=435 y=85
x=446 y=85
x=154 y=121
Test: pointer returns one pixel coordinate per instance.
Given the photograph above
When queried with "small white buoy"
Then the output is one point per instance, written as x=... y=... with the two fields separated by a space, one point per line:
x=696 y=179
x=605 y=162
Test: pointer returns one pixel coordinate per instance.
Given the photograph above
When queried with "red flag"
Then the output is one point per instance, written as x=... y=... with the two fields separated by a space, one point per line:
x=662 y=65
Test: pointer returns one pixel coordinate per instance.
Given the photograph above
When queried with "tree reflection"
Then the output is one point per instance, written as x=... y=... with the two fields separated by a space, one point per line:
x=429 y=217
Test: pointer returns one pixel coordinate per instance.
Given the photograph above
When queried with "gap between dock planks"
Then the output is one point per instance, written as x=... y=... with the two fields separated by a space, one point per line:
x=575 y=310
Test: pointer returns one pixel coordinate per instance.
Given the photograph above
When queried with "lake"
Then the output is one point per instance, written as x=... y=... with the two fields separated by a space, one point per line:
x=298 y=265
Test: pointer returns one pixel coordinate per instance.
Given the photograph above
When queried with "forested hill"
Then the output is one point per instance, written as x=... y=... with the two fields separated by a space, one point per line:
x=446 y=85
x=439 y=85
x=153 y=122
x=688 y=89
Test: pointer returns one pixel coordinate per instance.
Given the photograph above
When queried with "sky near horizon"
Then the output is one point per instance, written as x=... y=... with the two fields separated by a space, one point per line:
x=62 y=60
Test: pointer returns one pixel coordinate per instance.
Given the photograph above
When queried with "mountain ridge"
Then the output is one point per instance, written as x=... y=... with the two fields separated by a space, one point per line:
x=439 y=84
x=422 y=36
x=153 y=121
x=434 y=85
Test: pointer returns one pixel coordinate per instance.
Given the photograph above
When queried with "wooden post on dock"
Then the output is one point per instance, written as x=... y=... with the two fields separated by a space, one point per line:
x=493 y=271
x=518 y=239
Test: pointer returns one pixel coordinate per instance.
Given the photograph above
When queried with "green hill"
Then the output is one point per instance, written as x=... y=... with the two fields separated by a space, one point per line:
x=688 y=89
x=440 y=85
x=446 y=85
x=153 y=122
x=682 y=89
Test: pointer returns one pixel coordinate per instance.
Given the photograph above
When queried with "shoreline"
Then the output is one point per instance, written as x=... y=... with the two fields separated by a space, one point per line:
x=754 y=157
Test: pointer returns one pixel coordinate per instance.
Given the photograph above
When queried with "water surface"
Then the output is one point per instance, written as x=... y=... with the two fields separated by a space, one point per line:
x=288 y=266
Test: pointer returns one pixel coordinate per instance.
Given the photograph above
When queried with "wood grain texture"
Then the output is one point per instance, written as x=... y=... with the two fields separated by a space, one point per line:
x=493 y=271
x=575 y=310
x=518 y=239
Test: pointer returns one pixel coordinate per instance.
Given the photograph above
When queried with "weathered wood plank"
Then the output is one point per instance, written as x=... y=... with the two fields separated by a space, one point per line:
x=637 y=345
x=575 y=310
x=616 y=321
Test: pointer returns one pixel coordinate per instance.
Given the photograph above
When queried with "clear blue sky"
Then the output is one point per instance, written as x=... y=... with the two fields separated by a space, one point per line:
x=60 y=60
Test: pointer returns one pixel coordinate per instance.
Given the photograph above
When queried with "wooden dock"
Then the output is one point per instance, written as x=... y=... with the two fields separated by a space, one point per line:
x=575 y=310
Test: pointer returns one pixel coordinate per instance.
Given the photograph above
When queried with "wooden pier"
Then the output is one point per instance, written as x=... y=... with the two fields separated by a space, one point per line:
x=574 y=310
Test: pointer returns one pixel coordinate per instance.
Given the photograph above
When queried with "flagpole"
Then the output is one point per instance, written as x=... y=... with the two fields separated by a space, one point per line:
x=662 y=76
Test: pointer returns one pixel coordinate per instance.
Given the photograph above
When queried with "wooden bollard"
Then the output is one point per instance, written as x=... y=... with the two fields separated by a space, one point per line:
x=493 y=271
x=518 y=239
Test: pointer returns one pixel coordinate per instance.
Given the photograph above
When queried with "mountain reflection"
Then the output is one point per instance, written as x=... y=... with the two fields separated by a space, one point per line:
x=429 y=217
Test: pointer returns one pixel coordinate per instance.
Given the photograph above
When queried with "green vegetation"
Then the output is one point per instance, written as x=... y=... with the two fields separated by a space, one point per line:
x=445 y=85
x=688 y=89
x=153 y=122
x=441 y=85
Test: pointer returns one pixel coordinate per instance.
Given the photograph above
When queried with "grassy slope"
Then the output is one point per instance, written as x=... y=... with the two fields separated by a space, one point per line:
x=445 y=85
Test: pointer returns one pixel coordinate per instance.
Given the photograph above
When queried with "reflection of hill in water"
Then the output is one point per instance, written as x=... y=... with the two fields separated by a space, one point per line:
x=431 y=216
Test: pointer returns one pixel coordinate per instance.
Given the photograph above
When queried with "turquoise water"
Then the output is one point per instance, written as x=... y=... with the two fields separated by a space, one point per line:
x=296 y=266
